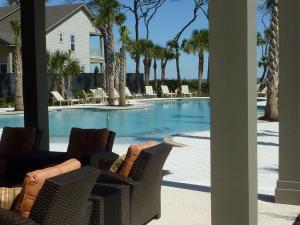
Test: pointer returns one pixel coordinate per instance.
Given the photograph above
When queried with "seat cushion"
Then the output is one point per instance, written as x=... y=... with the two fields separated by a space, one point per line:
x=132 y=154
x=34 y=181
x=24 y=143
x=7 y=196
x=87 y=141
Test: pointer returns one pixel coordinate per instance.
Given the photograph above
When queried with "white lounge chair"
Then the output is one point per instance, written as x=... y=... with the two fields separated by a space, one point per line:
x=116 y=94
x=99 y=95
x=185 y=91
x=128 y=93
x=262 y=93
x=58 y=98
x=69 y=95
x=165 y=92
x=149 y=92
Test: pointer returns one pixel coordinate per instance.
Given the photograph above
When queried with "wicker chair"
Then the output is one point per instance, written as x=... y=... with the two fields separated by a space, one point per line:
x=16 y=143
x=91 y=147
x=145 y=184
x=63 y=200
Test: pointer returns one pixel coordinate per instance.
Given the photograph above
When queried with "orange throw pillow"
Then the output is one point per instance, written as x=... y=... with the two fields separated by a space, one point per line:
x=34 y=181
x=132 y=154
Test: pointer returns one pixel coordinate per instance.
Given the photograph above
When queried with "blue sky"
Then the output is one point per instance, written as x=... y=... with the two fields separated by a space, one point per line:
x=168 y=21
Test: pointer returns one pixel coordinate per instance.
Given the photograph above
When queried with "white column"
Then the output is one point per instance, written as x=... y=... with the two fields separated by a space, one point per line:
x=288 y=185
x=233 y=112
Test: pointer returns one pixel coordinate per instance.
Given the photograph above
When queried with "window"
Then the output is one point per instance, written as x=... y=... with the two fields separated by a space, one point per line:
x=82 y=68
x=3 y=68
x=72 y=42
x=61 y=37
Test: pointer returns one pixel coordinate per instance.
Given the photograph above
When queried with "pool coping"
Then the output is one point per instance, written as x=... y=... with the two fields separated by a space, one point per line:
x=135 y=104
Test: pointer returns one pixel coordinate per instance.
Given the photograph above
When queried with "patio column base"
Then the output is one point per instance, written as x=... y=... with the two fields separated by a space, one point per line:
x=287 y=192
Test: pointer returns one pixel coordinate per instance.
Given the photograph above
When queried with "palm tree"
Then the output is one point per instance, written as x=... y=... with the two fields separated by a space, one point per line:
x=263 y=42
x=157 y=52
x=71 y=68
x=108 y=14
x=56 y=65
x=174 y=46
x=147 y=52
x=135 y=50
x=271 y=111
x=166 y=55
x=124 y=38
x=197 y=45
x=16 y=26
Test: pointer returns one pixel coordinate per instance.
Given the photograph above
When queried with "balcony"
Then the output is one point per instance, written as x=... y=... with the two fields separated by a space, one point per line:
x=95 y=53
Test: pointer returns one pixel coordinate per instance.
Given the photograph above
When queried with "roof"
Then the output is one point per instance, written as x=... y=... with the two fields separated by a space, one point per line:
x=55 y=15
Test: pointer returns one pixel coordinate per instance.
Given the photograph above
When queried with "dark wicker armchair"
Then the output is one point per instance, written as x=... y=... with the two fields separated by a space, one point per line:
x=91 y=147
x=145 y=184
x=15 y=144
x=63 y=200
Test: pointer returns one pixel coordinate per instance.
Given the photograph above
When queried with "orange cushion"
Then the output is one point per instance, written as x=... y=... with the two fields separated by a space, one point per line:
x=34 y=181
x=132 y=154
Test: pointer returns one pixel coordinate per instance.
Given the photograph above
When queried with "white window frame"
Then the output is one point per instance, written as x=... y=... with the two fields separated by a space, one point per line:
x=72 y=43
x=60 y=37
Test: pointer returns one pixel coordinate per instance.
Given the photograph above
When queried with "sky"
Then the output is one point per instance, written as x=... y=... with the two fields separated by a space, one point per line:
x=169 y=20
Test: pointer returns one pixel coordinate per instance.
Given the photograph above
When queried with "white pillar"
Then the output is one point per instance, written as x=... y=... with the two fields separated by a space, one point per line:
x=288 y=185
x=233 y=112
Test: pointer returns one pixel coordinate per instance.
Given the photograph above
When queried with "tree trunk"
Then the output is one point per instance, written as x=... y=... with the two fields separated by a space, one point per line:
x=155 y=73
x=62 y=85
x=53 y=83
x=271 y=111
x=110 y=64
x=137 y=59
x=122 y=80
x=149 y=62
x=178 y=68
x=146 y=82
x=163 y=71
x=200 y=71
x=19 y=82
x=69 y=82
x=104 y=84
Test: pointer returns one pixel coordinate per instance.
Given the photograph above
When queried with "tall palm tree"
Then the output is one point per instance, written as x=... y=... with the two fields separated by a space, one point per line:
x=71 y=68
x=16 y=26
x=175 y=47
x=147 y=51
x=56 y=65
x=271 y=111
x=156 y=51
x=165 y=56
x=197 y=45
x=108 y=14
x=124 y=38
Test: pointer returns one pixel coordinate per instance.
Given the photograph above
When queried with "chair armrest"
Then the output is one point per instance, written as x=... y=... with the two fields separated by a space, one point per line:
x=102 y=160
x=8 y=217
x=109 y=177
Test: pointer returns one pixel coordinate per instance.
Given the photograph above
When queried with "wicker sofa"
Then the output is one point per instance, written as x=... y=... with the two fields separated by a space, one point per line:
x=144 y=182
x=63 y=200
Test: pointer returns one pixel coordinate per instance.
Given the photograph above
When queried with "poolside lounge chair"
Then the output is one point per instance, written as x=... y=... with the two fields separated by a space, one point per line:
x=165 y=92
x=86 y=97
x=128 y=93
x=149 y=92
x=58 y=98
x=262 y=93
x=71 y=98
x=185 y=91
x=99 y=95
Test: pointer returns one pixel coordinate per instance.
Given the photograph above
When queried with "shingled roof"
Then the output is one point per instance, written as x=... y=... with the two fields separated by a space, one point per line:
x=55 y=15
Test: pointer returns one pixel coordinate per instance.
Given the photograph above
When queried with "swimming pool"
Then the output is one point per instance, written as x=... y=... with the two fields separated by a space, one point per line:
x=164 y=118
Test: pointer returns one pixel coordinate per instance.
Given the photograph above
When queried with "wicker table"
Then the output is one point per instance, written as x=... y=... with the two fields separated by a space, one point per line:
x=110 y=205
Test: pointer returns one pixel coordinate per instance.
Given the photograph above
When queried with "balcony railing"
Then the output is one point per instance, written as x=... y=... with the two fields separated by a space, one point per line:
x=96 y=53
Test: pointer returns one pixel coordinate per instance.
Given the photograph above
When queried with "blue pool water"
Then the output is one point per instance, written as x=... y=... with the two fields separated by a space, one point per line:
x=164 y=118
